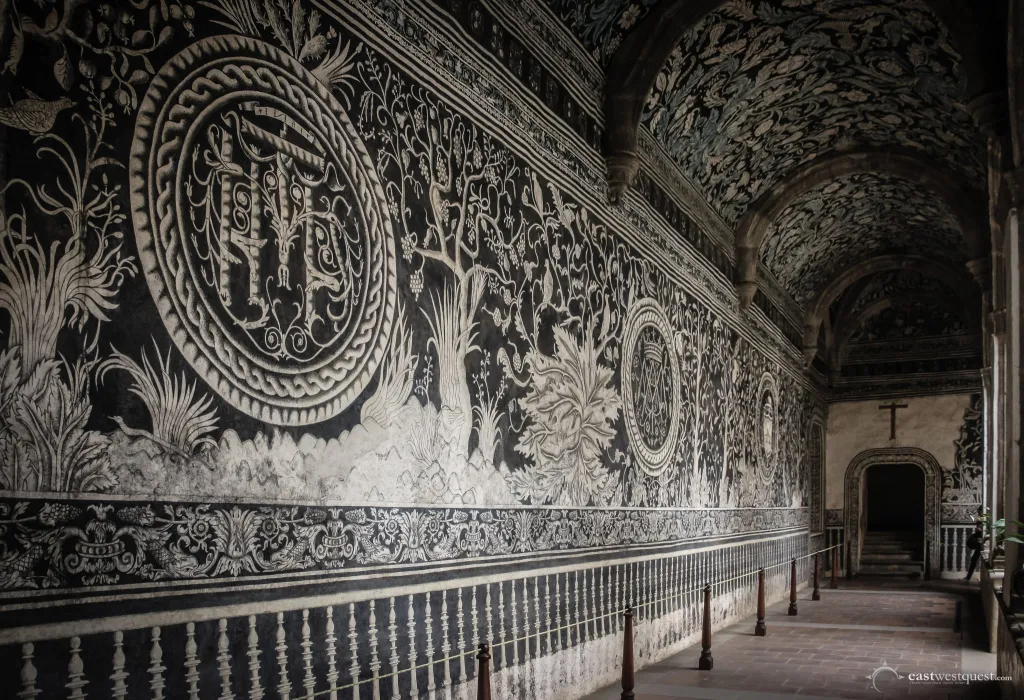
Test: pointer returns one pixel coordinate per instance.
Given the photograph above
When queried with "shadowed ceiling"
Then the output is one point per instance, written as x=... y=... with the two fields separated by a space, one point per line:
x=843 y=221
x=901 y=283
x=912 y=320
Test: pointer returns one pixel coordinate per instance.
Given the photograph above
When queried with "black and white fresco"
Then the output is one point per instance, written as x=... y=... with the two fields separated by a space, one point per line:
x=962 y=484
x=271 y=302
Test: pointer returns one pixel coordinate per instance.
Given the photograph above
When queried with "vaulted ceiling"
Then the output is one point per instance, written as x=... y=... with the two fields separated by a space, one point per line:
x=848 y=219
x=899 y=284
x=758 y=88
x=759 y=101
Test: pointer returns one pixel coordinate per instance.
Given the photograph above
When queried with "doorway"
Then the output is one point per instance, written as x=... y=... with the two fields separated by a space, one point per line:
x=894 y=498
x=855 y=516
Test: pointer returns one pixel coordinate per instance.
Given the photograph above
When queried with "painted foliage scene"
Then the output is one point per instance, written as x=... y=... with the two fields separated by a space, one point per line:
x=243 y=255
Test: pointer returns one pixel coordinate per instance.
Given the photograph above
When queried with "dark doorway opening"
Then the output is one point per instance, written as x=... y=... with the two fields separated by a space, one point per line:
x=894 y=495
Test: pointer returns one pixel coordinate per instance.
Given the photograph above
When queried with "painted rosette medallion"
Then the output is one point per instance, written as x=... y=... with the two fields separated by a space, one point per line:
x=767 y=426
x=650 y=386
x=263 y=230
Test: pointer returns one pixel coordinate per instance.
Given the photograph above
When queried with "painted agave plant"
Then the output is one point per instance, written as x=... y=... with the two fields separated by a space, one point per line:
x=572 y=406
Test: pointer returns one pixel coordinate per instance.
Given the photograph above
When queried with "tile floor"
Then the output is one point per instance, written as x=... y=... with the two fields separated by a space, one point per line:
x=831 y=649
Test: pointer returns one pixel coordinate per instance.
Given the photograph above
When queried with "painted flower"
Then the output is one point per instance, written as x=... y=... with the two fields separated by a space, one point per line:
x=629 y=17
x=234 y=540
x=572 y=407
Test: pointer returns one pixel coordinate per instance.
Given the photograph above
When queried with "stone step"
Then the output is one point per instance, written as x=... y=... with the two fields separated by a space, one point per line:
x=884 y=559
x=889 y=556
x=892 y=545
x=889 y=545
x=890 y=537
x=890 y=569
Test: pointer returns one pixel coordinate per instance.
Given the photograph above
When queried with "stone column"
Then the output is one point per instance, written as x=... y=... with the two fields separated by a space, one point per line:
x=1010 y=205
x=990 y=113
x=981 y=270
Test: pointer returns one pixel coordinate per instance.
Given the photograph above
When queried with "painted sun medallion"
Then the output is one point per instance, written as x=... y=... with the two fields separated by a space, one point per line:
x=768 y=404
x=650 y=386
x=263 y=230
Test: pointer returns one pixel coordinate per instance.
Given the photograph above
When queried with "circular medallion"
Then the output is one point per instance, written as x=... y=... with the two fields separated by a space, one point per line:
x=263 y=230
x=767 y=406
x=650 y=386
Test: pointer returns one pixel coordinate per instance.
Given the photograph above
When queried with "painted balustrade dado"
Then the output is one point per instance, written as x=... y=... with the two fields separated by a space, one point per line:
x=546 y=632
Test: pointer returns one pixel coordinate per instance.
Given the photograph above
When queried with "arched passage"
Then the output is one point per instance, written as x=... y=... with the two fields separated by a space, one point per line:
x=855 y=512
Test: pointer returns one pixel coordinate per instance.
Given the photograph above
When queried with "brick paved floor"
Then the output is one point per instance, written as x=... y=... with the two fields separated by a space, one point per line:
x=830 y=650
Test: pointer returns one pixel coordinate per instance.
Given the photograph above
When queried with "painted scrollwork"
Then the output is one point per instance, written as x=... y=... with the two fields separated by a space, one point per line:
x=54 y=544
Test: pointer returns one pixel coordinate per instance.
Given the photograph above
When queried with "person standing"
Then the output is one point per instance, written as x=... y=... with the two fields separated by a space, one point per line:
x=975 y=543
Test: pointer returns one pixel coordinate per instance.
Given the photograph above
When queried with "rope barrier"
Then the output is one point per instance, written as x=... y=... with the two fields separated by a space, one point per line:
x=548 y=632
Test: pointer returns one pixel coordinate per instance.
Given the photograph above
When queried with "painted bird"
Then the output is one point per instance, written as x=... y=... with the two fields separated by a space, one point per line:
x=33 y=114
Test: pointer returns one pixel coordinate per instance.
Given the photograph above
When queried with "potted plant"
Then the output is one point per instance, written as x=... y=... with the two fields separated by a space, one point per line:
x=999 y=548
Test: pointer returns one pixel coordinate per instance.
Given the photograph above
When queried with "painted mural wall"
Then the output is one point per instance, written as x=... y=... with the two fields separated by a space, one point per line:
x=312 y=288
x=949 y=427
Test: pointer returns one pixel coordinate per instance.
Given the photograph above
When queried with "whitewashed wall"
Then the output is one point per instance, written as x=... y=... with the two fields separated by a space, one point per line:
x=930 y=423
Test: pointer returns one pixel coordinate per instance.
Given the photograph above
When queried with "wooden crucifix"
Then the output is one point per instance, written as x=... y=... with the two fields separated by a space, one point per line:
x=892 y=408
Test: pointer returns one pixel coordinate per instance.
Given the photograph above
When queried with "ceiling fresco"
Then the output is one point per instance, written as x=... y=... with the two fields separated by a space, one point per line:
x=902 y=283
x=760 y=87
x=916 y=320
x=600 y=25
x=849 y=219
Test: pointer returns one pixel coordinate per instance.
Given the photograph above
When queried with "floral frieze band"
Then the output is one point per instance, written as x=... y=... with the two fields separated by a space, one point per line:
x=73 y=543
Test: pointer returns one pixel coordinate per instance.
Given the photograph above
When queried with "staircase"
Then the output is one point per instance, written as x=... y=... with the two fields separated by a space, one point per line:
x=891 y=554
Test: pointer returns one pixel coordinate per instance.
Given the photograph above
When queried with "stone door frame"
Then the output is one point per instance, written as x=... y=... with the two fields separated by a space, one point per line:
x=854 y=488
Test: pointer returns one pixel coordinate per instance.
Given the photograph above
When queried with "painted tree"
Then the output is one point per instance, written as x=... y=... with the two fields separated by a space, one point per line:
x=48 y=286
x=562 y=278
x=702 y=343
x=448 y=186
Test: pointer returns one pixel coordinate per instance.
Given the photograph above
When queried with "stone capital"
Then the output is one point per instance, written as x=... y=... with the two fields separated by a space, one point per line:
x=745 y=291
x=981 y=270
x=990 y=112
x=998 y=317
x=622 y=168
x=1013 y=182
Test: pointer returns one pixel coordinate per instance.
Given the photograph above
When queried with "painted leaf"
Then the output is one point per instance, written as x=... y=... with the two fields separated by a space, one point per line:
x=63 y=72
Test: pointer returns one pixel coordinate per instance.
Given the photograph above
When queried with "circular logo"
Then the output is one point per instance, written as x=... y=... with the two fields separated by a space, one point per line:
x=650 y=386
x=768 y=402
x=263 y=230
x=880 y=674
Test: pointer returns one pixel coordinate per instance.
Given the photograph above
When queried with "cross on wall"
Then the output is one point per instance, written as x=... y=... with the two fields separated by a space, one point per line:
x=892 y=408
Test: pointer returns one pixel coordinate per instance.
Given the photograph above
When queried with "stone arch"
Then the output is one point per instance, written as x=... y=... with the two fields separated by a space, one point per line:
x=955 y=279
x=853 y=488
x=635 y=64
x=968 y=207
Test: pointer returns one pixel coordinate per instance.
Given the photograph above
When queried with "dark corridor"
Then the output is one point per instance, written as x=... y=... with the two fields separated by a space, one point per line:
x=894 y=495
